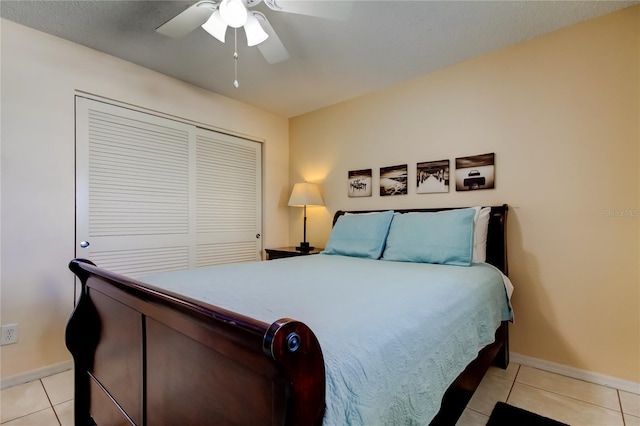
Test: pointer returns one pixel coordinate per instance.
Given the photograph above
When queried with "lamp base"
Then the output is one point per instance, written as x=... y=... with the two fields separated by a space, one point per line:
x=304 y=247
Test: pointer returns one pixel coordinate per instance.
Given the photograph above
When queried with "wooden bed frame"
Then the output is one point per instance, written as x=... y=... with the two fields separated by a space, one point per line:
x=146 y=357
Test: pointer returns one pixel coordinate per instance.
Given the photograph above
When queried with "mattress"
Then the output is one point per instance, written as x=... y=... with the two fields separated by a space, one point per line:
x=394 y=335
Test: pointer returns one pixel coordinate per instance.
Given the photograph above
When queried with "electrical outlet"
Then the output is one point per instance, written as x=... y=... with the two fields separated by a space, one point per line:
x=9 y=334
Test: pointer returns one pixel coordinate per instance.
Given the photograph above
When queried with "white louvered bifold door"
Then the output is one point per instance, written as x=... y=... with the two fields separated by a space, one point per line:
x=145 y=183
x=228 y=199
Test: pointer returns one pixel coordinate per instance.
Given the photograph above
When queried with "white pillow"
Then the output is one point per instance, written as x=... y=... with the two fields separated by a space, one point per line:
x=480 y=231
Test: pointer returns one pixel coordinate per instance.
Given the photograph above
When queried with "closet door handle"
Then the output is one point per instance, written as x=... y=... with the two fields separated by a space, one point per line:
x=84 y=244
x=258 y=236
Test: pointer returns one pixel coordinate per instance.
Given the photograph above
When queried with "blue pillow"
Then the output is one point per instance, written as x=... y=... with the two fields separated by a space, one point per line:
x=360 y=235
x=442 y=237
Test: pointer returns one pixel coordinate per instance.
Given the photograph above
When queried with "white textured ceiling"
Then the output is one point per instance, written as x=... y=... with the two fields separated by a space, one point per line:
x=380 y=44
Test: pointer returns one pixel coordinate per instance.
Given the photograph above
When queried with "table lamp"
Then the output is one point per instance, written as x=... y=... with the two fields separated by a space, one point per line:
x=303 y=195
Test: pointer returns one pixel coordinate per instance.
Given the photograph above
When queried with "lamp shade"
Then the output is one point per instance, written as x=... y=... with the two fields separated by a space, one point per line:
x=216 y=26
x=255 y=33
x=306 y=194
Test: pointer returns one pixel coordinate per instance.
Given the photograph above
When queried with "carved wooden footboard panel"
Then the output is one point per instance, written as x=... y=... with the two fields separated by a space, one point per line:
x=148 y=358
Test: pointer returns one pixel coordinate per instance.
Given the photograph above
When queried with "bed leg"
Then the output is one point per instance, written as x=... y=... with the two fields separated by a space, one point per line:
x=502 y=358
x=81 y=338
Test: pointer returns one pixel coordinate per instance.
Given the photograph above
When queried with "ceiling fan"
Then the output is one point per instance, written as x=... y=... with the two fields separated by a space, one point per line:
x=215 y=16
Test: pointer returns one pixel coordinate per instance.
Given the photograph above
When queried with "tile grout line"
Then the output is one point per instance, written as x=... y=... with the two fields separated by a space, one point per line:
x=571 y=397
x=621 y=411
x=513 y=383
x=22 y=417
x=476 y=411
x=624 y=422
x=28 y=414
x=50 y=403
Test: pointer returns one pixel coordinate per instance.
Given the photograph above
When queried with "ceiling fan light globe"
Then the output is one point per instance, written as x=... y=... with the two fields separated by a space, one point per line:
x=254 y=31
x=216 y=26
x=233 y=13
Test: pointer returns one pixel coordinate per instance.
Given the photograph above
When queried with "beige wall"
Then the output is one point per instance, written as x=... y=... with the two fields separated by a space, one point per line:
x=40 y=75
x=561 y=114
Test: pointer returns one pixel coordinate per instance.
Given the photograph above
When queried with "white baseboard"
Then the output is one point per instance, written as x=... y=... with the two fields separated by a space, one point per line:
x=576 y=373
x=29 y=376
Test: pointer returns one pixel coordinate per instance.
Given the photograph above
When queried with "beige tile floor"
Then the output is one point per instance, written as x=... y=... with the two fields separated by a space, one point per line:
x=571 y=401
x=49 y=401
x=44 y=402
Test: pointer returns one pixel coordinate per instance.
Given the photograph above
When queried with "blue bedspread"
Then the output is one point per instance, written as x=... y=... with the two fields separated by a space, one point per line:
x=394 y=335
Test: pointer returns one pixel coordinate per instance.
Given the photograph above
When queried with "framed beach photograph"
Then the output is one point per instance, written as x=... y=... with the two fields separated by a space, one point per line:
x=360 y=183
x=475 y=172
x=393 y=180
x=432 y=177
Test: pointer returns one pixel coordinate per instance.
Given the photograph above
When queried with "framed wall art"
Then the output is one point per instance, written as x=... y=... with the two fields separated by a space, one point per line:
x=393 y=180
x=475 y=172
x=360 y=183
x=432 y=177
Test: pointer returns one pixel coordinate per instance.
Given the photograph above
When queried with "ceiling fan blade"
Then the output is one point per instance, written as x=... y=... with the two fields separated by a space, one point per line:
x=188 y=20
x=272 y=48
x=330 y=9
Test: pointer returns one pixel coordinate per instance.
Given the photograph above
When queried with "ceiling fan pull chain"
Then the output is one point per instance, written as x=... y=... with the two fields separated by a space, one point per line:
x=235 y=57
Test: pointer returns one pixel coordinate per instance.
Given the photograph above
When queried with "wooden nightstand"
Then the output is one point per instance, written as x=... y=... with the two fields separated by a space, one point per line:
x=280 y=252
